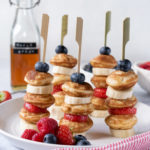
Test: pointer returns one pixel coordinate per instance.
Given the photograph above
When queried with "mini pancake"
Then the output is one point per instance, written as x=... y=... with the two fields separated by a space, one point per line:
x=116 y=103
x=99 y=103
x=103 y=61
x=60 y=79
x=59 y=98
x=121 y=80
x=83 y=109
x=77 y=127
x=63 y=60
x=38 y=78
x=39 y=100
x=99 y=81
x=121 y=122
x=32 y=117
x=77 y=90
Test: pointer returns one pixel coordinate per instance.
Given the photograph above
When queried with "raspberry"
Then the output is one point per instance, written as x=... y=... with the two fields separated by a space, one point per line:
x=100 y=92
x=123 y=111
x=64 y=135
x=47 y=125
x=76 y=118
x=57 y=88
x=38 y=137
x=33 y=109
x=28 y=134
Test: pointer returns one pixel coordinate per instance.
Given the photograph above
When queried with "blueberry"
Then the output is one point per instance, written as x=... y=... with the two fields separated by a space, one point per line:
x=79 y=138
x=78 y=78
x=83 y=143
x=50 y=138
x=105 y=50
x=41 y=67
x=61 y=49
x=88 y=67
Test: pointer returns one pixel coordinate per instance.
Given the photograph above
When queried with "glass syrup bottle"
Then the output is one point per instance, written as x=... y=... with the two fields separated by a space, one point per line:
x=24 y=43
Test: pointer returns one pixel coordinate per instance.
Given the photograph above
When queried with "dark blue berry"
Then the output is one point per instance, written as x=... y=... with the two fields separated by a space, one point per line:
x=50 y=138
x=105 y=50
x=61 y=49
x=79 y=138
x=88 y=67
x=41 y=67
x=78 y=78
x=83 y=143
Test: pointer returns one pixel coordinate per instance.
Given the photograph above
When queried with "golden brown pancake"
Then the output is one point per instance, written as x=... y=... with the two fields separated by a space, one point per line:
x=60 y=79
x=59 y=98
x=99 y=81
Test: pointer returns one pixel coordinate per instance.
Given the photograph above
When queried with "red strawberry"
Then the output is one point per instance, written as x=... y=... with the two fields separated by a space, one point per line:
x=65 y=136
x=123 y=111
x=57 y=88
x=76 y=118
x=38 y=137
x=28 y=134
x=100 y=92
x=4 y=96
x=47 y=125
x=33 y=109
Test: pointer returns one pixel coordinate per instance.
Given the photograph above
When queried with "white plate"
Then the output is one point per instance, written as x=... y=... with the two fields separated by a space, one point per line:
x=98 y=135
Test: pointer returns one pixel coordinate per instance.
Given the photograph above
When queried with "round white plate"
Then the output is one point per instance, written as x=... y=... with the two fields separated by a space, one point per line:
x=98 y=135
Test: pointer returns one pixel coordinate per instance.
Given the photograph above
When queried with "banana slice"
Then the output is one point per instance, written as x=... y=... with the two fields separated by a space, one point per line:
x=39 y=89
x=119 y=94
x=102 y=71
x=99 y=113
x=62 y=70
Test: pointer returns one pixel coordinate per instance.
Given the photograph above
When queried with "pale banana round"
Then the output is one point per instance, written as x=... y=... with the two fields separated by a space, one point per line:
x=99 y=113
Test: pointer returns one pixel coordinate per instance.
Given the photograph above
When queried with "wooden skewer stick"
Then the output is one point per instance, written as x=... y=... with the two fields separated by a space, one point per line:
x=64 y=29
x=44 y=32
x=107 y=26
x=79 y=27
x=126 y=35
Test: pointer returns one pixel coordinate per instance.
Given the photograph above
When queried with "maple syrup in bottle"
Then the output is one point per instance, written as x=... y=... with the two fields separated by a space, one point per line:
x=25 y=43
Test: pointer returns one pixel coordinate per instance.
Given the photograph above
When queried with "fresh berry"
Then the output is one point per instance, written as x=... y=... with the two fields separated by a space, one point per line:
x=28 y=134
x=50 y=138
x=57 y=88
x=64 y=135
x=100 y=92
x=83 y=143
x=105 y=50
x=78 y=78
x=124 y=65
x=33 y=109
x=145 y=65
x=61 y=49
x=76 y=118
x=88 y=67
x=79 y=138
x=39 y=137
x=47 y=125
x=123 y=111
x=41 y=67
x=4 y=96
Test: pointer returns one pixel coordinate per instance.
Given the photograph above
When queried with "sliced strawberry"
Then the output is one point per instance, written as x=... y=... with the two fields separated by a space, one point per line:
x=100 y=92
x=57 y=88
x=34 y=109
x=4 y=96
x=76 y=118
x=123 y=111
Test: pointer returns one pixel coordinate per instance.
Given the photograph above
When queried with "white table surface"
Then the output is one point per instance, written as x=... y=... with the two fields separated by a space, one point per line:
x=141 y=95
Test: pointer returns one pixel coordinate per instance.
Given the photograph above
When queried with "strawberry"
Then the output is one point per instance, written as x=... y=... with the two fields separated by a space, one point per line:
x=76 y=118
x=145 y=65
x=33 y=109
x=65 y=136
x=39 y=137
x=100 y=92
x=4 y=96
x=28 y=134
x=57 y=88
x=123 y=111
x=47 y=125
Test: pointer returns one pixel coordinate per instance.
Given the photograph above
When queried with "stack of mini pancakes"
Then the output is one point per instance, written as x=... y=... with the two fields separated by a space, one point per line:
x=77 y=107
x=102 y=66
x=121 y=103
x=37 y=99
x=62 y=69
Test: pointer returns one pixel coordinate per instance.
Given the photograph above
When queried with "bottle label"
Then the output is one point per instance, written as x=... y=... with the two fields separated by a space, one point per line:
x=25 y=48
